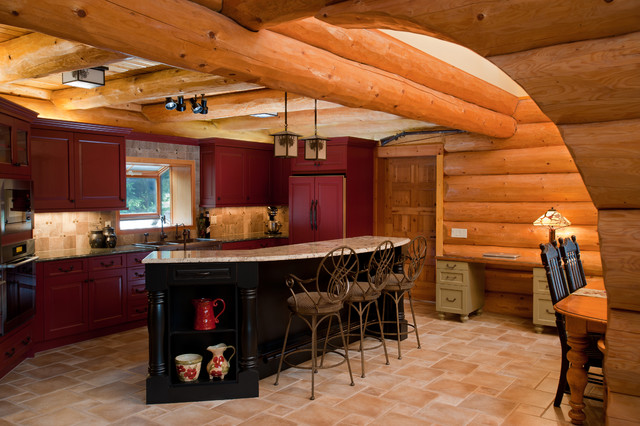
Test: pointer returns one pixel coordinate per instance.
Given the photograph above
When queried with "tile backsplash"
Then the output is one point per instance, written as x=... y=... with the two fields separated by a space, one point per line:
x=55 y=231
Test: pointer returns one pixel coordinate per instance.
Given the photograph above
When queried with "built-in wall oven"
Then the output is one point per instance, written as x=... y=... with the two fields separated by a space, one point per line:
x=17 y=284
x=17 y=255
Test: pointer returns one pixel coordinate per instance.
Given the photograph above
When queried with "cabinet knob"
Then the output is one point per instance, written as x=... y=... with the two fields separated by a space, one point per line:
x=138 y=291
x=139 y=275
x=141 y=310
x=66 y=270
x=105 y=265
x=26 y=340
x=451 y=300
x=10 y=353
x=72 y=201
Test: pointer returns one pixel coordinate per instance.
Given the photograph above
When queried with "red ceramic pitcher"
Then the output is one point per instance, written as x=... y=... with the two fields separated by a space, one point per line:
x=206 y=319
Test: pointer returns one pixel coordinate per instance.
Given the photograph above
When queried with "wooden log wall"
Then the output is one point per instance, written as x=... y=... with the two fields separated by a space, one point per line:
x=496 y=188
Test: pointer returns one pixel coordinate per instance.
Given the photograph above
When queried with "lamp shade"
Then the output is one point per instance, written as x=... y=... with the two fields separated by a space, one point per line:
x=315 y=148
x=285 y=144
x=553 y=219
x=88 y=78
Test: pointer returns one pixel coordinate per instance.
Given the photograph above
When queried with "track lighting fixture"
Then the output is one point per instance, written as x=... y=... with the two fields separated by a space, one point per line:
x=170 y=104
x=181 y=105
x=205 y=108
x=196 y=108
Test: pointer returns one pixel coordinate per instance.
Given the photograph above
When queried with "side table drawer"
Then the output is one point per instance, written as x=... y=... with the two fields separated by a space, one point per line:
x=449 y=299
x=540 y=284
x=448 y=272
x=543 y=313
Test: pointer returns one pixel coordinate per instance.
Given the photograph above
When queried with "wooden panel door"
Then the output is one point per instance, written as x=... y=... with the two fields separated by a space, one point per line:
x=107 y=302
x=230 y=176
x=329 y=211
x=301 y=194
x=53 y=183
x=409 y=199
x=65 y=307
x=99 y=171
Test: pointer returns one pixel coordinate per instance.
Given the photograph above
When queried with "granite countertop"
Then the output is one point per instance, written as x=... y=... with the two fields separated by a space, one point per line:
x=270 y=254
x=61 y=254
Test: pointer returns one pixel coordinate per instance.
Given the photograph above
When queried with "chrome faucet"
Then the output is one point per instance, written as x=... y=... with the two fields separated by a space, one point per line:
x=185 y=235
x=177 y=233
x=163 y=219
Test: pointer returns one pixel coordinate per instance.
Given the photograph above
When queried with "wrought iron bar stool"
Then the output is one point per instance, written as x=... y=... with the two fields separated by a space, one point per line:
x=400 y=284
x=365 y=293
x=317 y=299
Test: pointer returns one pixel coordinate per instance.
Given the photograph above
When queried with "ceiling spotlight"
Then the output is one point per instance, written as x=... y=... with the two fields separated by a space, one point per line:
x=205 y=108
x=181 y=106
x=170 y=104
x=196 y=108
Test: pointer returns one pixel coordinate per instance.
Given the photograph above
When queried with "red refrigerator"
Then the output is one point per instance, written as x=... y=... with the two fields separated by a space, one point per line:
x=316 y=208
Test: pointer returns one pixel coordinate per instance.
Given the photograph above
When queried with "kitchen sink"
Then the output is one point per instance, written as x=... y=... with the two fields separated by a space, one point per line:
x=192 y=244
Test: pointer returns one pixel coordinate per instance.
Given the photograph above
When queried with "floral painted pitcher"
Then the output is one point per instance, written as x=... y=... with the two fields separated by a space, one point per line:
x=218 y=367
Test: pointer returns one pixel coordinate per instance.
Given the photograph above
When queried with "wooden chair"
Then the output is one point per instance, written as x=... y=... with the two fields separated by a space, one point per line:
x=400 y=283
x=320 y=298
x=558 y=290
x=570 y=252
x=365 y=293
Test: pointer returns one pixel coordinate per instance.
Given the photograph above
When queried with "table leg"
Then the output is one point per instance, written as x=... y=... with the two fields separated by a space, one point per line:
x=577 y=375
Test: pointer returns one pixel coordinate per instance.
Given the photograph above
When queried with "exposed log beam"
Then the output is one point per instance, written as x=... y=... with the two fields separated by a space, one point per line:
x=581 y=82
x=135 y=121
x=37 y=55
x=382 y=51
x=215 y=5
x=149 y=86
x=492 y=27
x=237 y=104
x=299 y=119
x=209 y=42
x=258 y=14
x=20 y=90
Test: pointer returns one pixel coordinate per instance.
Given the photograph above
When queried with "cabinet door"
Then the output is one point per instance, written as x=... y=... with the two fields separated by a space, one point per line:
x=99 y=171
x=336 y=161
x=229 y=176
x=257 y=180
x=207 y=176
x=301 y=211
x=14 y=147
x=53 y=183
x=280 y=172
x=65 y=307
x=329 y=210
x=107 y=303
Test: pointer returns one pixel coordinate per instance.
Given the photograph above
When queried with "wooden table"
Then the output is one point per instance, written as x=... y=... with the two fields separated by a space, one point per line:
x=583 y=315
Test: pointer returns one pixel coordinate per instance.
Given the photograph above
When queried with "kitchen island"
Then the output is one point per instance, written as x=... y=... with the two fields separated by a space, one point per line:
x=252 y=285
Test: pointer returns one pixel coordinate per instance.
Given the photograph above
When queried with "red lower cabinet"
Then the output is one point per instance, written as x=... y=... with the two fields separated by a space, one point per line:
x=15 y=346
x=66 y=307
x=107 y=303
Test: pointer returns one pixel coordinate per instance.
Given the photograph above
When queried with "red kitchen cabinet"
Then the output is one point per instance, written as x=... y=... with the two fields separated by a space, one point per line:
x=15 y=140
x=107 y=303
x=15 y=347
x=280 y=172
x=77 y=167
x=137 y=305
x=336 y=161
x=234 y=173
x=316 y=208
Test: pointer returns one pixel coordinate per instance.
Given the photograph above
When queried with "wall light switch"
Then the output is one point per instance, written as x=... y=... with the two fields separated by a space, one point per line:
x=107 y=223
x=458 y=233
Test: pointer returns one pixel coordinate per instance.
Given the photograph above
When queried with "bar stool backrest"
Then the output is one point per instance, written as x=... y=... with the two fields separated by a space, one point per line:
x=378 y=269
x=413 y=260
x=570 y=252
x=336 y=272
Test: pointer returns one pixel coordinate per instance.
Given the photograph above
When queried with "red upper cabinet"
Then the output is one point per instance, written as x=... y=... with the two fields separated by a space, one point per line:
x=280 y=172
x=77 y=170
x=336 y=161
x=15 y=140
x=234 y=173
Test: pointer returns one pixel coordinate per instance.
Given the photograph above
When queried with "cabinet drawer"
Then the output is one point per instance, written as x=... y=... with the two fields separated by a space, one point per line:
x=450 y=299
x=14 y=346
x=100 y=263
x=543 y=312
x=137 y=310
x=136 y=273
x=212 y=274
x=540 y=284
x=64 y=268
x=137 y=290
x=451 y=266
x=452 y=277
x=135 y=259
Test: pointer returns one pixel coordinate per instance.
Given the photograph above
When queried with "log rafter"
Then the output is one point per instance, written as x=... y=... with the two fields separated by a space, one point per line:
x=209 y=42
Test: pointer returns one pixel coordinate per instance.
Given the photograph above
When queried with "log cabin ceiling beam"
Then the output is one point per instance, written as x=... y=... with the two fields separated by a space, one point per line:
x=581 y=82
x=20 y=90
x=492 y=27
x=236 y=104
x=382 y=51
x=192 y=37
x=146 y=87
x=258 y=14
x=37 y=55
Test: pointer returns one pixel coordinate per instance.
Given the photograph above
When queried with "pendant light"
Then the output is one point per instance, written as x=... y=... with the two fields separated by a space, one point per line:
x=285 y=143
x=315 y=147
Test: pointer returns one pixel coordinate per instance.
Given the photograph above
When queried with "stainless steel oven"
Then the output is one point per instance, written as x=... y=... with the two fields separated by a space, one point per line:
x=17 y=284
x=16 y=217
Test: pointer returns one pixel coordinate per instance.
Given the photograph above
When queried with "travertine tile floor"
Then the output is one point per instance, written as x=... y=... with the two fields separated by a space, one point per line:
x=491 y=370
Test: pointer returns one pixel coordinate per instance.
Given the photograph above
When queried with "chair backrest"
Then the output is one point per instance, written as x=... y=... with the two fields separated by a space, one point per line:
x=413 y=260
x=378 y=269
x=336 y=272
x=555 y=277
x=570 y=252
